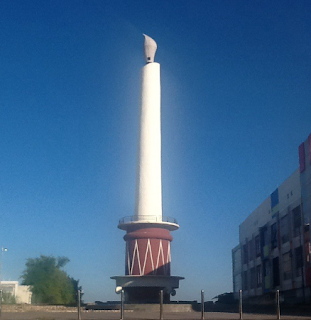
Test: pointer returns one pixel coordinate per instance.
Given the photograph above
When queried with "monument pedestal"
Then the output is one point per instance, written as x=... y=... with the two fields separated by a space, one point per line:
x=146 y=289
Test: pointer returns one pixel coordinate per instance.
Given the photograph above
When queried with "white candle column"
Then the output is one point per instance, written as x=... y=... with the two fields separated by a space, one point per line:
x=149 y=186
x=148 y=239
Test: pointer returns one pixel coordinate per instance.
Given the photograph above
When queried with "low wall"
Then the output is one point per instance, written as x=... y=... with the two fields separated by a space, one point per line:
x=170 y=307
x=30 y=307
x=109 y=307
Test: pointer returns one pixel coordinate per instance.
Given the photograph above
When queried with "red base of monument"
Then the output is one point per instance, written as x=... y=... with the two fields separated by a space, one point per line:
x=148 y=251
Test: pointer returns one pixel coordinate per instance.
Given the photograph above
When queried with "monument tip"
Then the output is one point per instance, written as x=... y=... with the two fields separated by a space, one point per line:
x=150 y=48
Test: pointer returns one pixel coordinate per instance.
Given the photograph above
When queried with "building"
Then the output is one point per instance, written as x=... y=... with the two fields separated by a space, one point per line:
x=22 y=294
x=274 y=241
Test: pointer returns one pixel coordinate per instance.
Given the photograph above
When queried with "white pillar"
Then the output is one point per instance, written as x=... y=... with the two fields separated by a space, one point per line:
x=149 y=186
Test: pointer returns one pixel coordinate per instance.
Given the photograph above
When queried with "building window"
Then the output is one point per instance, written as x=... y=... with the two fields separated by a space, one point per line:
x=251 y=250
x=284 y=226
x=266 y=268
x=265 y=236
x=253 y=278
x=276 y=272
x=296 y=221
x=245 y=282
x=245 y=253
x=265 y=242
x=287 y=266
x=274 y=198
x=299 y=261
x=258 y=276
x=274 y=236
x=257 y=246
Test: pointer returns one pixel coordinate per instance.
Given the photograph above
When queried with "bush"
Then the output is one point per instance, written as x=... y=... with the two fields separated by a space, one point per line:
x=8 y=298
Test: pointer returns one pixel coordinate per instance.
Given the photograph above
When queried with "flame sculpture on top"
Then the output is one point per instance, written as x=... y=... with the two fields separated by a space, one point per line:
x=150 y=48
x=148 y=238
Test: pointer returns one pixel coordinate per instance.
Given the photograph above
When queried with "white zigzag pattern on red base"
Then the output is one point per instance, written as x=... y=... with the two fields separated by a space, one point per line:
x=136 y=257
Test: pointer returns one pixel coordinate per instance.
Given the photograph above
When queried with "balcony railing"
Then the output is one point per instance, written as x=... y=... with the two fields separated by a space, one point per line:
x=149 y=218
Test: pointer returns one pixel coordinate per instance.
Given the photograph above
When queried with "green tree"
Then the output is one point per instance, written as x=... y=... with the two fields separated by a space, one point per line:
x=49 y=284
x=8 y=298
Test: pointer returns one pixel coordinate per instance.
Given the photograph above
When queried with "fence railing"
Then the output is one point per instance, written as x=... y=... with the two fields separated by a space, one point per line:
x=150 y=218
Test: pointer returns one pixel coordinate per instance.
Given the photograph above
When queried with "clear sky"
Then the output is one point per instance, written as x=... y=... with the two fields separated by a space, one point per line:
x=236 y=103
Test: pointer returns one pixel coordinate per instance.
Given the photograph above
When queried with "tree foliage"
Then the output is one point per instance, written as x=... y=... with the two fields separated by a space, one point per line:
x=8 y=298
x=49 y=284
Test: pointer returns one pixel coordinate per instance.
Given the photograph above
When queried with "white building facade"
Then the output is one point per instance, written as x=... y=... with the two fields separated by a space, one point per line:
x=274 y=241
x=22 y=294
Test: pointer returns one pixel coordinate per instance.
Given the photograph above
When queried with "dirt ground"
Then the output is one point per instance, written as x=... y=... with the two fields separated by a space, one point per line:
x=128 y=315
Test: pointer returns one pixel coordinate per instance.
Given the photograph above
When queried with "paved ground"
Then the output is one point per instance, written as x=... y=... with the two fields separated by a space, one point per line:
x=112 y=315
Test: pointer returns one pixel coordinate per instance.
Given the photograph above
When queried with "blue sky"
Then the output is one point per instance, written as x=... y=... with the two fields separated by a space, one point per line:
x=236 y=103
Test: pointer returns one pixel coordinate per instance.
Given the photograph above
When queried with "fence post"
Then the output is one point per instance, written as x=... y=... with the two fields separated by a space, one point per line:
x=278 y=311
x=161 y=305
x=122 y=305
x=240 y=304
x=79 y=304
x=202 y=304
x=0 y=303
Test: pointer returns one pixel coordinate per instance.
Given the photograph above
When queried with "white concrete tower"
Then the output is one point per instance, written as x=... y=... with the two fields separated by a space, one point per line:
x=148 y=184
x=148 y=238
